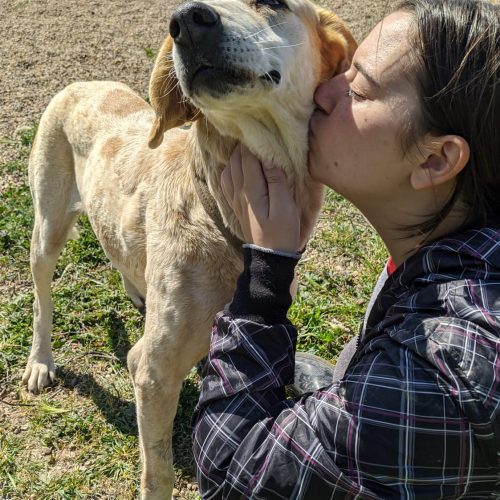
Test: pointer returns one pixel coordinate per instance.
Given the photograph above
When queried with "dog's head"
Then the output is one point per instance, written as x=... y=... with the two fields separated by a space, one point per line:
x=250 y=67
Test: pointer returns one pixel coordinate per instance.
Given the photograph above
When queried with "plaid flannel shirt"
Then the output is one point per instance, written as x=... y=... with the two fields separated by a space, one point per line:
x=415 y=416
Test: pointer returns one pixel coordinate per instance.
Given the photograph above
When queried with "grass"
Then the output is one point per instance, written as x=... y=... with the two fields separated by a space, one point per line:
x=149 y=52
x=79 y=439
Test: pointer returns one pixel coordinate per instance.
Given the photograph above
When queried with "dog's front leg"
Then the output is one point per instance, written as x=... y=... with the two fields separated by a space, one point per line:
x=158 y=364
x=156 y=406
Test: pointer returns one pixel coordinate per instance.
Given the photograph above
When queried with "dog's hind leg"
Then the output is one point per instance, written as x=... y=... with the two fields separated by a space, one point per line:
x=55 y=201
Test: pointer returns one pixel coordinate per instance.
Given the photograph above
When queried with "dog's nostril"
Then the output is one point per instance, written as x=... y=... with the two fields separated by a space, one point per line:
x=204 y=15
x=174 y=28
x=193 y=22
x=275 y=76
x=272 y=76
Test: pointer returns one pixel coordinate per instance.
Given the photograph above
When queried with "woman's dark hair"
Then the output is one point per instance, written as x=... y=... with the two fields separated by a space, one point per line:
x=456 y=69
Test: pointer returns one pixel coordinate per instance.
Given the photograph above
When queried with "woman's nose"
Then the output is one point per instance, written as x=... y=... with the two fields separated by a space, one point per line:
x=328 y=93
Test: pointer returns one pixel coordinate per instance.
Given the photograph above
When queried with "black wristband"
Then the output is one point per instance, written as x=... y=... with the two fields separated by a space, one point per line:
x=263 y=288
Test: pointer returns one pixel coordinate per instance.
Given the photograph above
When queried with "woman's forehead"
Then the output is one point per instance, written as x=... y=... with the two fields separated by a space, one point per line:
x=384 y=52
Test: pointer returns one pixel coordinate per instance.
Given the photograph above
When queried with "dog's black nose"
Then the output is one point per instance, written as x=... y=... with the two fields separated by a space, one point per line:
x=191 y=23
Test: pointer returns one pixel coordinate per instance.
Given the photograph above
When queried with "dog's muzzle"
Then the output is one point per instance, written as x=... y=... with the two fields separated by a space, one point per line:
x=199 y=35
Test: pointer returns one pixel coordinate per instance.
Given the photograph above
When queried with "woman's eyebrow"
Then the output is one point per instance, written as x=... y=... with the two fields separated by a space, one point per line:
x=363 y=71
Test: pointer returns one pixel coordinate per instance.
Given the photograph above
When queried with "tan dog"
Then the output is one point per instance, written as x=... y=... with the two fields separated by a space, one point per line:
x=239 y=71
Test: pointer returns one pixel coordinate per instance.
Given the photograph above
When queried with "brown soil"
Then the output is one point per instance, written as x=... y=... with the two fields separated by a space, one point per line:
x=47 y=44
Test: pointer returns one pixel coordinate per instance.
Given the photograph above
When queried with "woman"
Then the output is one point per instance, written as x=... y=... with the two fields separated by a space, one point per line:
x=410 y=135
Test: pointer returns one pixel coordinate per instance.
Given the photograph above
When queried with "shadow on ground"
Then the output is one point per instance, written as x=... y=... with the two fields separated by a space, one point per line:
x=121 y=413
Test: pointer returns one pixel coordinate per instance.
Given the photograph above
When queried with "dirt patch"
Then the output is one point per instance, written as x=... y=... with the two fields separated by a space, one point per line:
x=47 y=44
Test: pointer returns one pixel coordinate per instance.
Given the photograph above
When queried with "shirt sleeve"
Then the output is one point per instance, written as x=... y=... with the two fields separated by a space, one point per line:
x=389 y=429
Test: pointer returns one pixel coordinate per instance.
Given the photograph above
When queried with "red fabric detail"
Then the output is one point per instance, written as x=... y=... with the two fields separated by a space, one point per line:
x=391 y=267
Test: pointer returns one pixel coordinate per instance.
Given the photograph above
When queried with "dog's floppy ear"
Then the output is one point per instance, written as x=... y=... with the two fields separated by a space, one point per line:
x=171 y=107
x=337 y=44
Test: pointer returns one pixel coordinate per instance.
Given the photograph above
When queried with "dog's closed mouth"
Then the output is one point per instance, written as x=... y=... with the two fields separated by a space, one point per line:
x=217 y=80
x=220 y=80
x=203 y=68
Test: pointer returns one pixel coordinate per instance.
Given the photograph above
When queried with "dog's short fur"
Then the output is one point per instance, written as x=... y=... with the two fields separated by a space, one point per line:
x=102 y=150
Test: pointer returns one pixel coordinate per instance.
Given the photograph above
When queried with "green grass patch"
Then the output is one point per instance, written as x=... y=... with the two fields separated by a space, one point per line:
x=150 y=53
x=336 y=279
x=79 y=439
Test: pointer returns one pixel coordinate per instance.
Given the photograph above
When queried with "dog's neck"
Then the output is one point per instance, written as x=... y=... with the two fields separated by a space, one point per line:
x=272 y=130
x=212 y=149
x=208 y=153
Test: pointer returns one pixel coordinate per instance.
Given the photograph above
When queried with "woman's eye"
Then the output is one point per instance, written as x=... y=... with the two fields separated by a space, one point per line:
x=275 y=4
x=355 y=95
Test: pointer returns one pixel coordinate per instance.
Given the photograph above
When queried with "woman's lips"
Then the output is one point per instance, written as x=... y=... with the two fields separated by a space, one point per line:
x=316 y=115
x=319 y=112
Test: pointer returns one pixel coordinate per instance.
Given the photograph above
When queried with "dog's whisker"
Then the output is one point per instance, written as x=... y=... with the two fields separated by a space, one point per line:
x=168 y=83
x=257 y=42
x=283 y=46
x=169 y=79
x=266 y=28
x=168 y=92
x=169 y=75
x=198 y=113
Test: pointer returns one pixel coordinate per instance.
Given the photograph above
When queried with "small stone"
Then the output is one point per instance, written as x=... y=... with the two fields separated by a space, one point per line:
x=175 y=492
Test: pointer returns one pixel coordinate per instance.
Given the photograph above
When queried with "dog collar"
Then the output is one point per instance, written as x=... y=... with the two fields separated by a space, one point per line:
x=212 y=210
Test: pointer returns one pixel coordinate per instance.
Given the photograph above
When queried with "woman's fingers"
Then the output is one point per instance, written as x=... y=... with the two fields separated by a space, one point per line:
x=280 y=196
x=262 y=201
x=227 y=184
x=254 y=182
x=232 y=177
x=235 y=162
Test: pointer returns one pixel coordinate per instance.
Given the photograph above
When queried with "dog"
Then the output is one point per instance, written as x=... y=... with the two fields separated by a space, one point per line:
x=148 y=177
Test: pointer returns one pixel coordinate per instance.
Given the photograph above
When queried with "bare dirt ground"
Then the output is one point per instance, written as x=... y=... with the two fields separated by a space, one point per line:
x=47 y=44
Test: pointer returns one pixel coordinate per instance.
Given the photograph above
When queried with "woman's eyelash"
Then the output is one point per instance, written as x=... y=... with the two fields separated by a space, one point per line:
x=354 y=95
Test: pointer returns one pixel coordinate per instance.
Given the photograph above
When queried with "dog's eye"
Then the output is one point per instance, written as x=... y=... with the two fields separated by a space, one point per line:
x=274 y=4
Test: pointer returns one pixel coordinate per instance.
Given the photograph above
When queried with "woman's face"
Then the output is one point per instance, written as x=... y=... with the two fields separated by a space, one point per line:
x=355 y=135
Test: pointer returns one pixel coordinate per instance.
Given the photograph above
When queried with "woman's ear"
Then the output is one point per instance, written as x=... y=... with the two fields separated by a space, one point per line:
x=169 y=104
x=337 y=45
x=448 y=156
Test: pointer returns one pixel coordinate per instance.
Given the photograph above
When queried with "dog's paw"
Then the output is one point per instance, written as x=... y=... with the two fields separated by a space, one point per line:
x=157 y=495
x=158 y=485
x=39 y=374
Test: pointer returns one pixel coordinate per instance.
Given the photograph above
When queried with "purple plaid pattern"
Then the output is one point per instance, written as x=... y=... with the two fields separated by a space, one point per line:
x=416 y=415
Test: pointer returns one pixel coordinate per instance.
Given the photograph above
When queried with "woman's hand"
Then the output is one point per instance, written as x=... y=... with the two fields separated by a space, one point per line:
x=262 y=201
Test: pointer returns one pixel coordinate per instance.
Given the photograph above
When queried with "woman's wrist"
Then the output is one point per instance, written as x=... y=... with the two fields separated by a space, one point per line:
x=281 y=253
x=263 y=288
